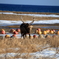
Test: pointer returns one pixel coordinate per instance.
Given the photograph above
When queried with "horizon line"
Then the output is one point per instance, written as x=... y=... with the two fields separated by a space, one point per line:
x=27 y=4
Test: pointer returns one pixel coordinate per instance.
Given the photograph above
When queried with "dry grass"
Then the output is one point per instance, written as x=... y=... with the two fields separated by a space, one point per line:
x=54 y=42
x=28 y=45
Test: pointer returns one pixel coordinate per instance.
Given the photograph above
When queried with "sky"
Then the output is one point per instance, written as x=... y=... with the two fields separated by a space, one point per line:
x=32 y=2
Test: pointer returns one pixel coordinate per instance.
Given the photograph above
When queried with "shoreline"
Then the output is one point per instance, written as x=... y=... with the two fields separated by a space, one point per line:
x=31 y=12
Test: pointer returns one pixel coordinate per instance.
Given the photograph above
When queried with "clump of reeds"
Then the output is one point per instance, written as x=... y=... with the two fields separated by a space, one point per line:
x=28 y=45
x=54 y=42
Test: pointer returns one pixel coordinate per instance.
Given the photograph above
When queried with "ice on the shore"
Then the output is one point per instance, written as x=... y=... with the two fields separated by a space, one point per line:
x=7 y=13
x=36 y=15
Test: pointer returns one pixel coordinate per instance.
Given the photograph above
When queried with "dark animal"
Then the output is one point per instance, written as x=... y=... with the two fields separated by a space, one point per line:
x=25 y=28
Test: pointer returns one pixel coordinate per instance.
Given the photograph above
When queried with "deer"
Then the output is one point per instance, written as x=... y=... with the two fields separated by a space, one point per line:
x=25 y=28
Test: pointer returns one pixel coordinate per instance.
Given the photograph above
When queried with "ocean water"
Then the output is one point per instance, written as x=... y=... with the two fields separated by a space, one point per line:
x=29 y=8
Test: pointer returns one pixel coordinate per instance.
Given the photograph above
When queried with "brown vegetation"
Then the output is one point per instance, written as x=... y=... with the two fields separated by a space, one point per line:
x=28 y=45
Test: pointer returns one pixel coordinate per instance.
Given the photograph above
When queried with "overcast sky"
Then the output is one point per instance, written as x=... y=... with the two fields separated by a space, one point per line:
x=32 y=2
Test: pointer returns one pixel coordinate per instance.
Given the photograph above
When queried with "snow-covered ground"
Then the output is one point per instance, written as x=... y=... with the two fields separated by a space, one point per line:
x=37 y=15
x=7 y=22
x=48 y=52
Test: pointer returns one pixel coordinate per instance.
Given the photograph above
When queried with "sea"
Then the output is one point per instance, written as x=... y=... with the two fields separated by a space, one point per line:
x=29 y=8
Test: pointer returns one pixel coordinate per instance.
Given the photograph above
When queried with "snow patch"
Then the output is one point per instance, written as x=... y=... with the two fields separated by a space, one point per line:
x=7 y=23
x=34 y=15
